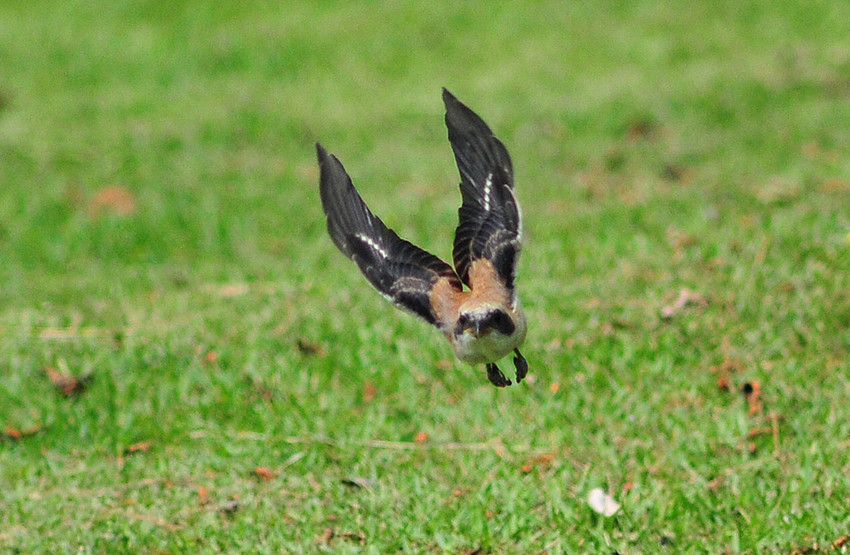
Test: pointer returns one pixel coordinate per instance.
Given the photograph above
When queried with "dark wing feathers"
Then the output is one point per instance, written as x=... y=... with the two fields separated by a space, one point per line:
x=489 y=219
x=398 y=269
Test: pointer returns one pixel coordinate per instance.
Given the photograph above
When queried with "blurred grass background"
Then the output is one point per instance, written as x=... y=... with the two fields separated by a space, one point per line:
x=160 y=232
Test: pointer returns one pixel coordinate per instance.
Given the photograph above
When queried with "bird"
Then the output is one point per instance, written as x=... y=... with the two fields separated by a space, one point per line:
x=474 y=304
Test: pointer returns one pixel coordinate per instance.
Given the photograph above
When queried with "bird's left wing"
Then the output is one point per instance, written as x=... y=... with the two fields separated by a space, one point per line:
x=402 y=272
x=489 y=224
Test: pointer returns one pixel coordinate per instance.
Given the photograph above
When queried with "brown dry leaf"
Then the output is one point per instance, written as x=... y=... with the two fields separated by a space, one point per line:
x=724 y=373
x=544 y=461
x=308 y=348
x=140 y=447
x=328 y=536
x=686 y=298
x=264 y=473
x=230 y=507
x=752 y=391
x=840 y=542
x=358 y=537
x=714 y=484
x=113 y=199
x=67 y=384
x=457 y=493
x=15 y=434
x=357 y=482
x=203 y=496
x=755 y=432
x=325 y=537
x=369 y=391
x=643 y=128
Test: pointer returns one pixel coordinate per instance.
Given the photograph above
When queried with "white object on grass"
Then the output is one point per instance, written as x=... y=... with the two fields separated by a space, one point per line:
x=602 y=503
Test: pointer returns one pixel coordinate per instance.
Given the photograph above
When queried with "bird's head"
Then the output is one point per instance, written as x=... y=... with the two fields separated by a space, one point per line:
x=482 y=321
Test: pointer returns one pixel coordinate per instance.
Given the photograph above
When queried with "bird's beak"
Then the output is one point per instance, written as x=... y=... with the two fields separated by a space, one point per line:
x=472 y=327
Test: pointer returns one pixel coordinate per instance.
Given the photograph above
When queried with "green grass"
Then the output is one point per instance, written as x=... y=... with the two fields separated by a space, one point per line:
x=656 y=150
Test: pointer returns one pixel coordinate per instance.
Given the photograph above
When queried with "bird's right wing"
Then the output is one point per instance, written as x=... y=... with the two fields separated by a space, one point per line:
x=402 y=272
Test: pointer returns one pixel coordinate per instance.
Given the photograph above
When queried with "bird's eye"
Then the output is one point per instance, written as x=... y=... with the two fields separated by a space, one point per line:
x=501 y=322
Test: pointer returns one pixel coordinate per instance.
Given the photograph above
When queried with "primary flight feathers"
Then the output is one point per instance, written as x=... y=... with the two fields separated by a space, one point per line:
x=483 y=323
x=489 y=216
x=398 y=269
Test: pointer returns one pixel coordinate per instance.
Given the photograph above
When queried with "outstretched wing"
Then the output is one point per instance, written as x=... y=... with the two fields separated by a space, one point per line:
x=489 y=219
x=398 y=269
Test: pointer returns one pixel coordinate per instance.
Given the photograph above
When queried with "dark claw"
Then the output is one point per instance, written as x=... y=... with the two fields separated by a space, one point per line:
x=521 y=366
x=495 y=376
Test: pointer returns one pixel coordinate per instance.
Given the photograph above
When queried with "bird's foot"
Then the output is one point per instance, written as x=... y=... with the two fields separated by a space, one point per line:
x=494 y=374
x=521 y=366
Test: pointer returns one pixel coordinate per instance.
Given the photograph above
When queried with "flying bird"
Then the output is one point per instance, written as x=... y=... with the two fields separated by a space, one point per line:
x=474 y=304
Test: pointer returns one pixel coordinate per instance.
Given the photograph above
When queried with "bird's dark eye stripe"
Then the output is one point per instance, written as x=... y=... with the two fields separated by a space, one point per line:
x=502 y=323
x=499 y=320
